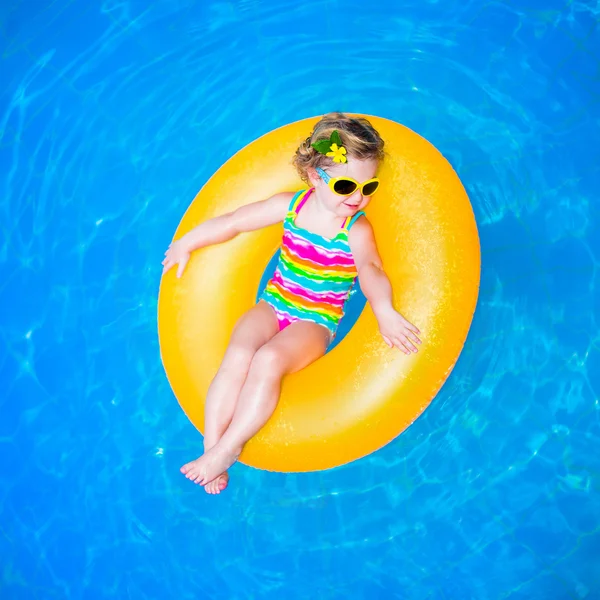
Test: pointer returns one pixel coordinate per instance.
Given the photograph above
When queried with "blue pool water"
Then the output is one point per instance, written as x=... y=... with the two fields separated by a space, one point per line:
x=112 y=115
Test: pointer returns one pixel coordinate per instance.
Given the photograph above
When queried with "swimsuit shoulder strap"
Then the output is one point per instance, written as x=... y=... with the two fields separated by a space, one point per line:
x=347 y=224
x=298 y=202
x=295 y=201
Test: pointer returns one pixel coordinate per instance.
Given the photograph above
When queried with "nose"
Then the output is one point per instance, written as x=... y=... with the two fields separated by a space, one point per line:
x=355 y=197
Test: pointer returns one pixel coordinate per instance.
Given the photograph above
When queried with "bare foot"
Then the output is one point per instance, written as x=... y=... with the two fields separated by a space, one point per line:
x=210 y=465
x=216 y=486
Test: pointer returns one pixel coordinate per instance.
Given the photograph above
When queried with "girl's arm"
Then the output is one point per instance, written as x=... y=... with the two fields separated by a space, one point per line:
x=376 y=286
x=225 y=227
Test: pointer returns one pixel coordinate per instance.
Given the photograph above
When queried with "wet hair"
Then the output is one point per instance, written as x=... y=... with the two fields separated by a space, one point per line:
x=359 y=137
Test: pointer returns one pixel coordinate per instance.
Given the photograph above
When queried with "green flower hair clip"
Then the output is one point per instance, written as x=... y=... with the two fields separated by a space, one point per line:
x=332 y=147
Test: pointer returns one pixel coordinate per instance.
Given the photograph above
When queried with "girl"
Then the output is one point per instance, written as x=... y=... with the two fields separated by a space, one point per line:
x=327 y=243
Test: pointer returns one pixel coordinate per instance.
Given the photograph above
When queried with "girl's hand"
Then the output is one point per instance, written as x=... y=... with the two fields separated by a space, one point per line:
x=399 y=332
x=177 y=253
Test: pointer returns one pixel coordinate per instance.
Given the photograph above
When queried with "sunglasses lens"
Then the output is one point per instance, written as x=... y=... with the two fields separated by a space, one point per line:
x=370 y=188
x=345 y=187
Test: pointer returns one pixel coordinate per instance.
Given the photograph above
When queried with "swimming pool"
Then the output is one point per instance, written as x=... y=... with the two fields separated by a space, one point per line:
x=113 y=116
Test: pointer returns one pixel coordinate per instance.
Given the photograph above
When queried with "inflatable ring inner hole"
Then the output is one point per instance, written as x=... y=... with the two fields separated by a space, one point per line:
x=352 y=310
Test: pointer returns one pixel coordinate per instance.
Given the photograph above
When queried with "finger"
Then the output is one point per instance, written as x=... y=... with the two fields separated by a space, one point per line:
x=408 y=344
x=168 y=264
x=412 y=327
x=182 y=264
x=387 y=341
x=400 y=344
x=409 y=334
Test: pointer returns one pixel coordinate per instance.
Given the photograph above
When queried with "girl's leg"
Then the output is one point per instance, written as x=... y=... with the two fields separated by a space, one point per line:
x=253 y=330
x=290 y=350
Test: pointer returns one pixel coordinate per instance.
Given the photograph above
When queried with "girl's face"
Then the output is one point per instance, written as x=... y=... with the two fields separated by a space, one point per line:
x=344 y=206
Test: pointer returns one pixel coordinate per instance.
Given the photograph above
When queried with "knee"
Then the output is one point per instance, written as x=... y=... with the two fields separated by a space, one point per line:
x=268 y=362
x=238 y=358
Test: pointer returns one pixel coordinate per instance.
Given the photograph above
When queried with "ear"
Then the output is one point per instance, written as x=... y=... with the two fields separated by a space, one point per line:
x=313 y=177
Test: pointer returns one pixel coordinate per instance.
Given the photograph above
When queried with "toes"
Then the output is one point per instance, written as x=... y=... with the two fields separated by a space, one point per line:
x=188 y=469
x=192 y=474
x=216 y=486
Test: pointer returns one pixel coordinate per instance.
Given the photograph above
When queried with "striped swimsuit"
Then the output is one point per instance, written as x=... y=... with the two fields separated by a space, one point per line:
x=314 y=275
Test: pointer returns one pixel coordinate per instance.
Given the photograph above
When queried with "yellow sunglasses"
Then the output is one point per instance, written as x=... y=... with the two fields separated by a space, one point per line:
x=345 y=186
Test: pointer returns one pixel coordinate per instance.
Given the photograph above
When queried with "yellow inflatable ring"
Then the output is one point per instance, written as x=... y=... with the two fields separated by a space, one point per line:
x=362 y=394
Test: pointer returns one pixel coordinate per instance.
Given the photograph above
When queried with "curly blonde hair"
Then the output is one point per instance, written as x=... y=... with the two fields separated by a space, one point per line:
x=359 y=137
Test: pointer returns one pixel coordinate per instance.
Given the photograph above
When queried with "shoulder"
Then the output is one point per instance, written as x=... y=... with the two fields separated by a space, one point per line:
x=362 y=243
x=361 y=229
x=282 y=199
x=279 y=204
x=263 y=213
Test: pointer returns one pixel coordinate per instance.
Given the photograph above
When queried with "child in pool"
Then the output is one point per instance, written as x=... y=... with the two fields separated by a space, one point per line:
x=327 y=243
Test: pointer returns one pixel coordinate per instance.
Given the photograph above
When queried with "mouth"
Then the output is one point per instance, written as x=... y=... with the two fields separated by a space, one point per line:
x=352 y=206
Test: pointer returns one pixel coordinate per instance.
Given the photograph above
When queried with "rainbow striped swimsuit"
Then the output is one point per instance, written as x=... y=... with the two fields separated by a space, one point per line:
x=314 y=275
